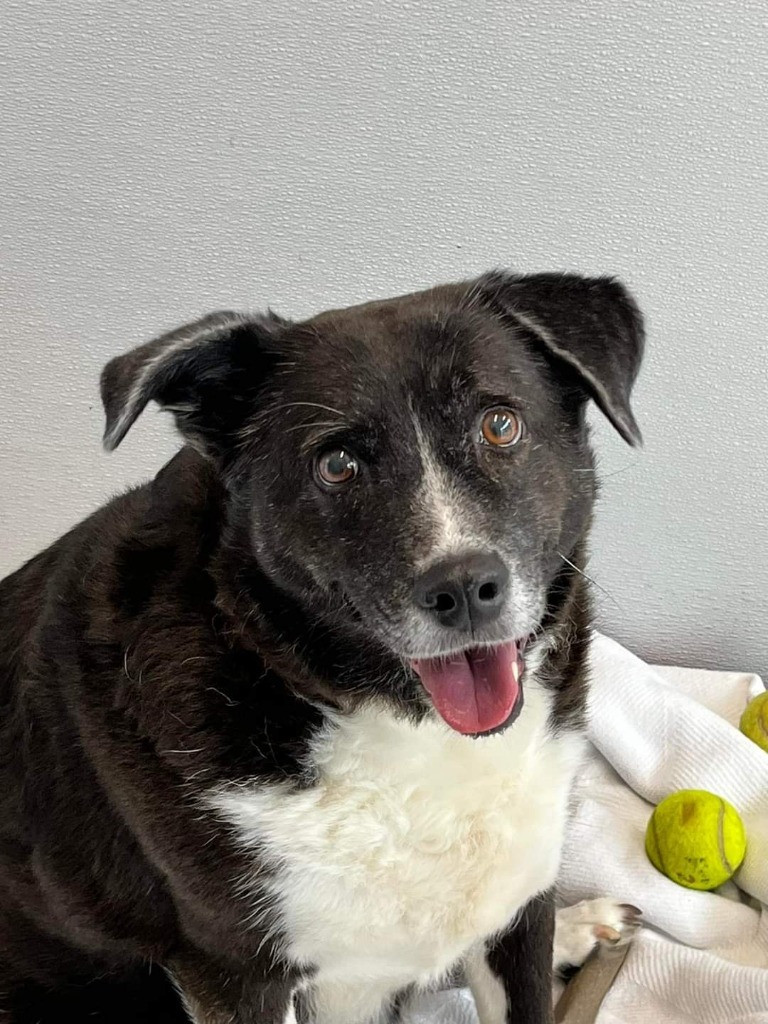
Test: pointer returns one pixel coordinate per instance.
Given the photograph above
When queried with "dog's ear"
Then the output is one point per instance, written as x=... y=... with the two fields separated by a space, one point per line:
x=206 y=373
x=591 y=325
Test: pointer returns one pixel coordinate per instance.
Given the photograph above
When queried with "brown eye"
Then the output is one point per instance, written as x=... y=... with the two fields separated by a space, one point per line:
x=501 y=427
x=336 y=467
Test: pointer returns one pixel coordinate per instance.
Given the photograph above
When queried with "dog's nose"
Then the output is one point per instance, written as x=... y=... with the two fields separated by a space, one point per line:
x=464 y=593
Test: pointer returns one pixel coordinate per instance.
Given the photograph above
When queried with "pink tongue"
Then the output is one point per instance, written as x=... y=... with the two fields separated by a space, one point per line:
x=474 y=691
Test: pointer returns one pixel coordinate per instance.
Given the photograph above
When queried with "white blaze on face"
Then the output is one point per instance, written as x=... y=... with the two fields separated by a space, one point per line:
x=450 y=530
x=444 y=506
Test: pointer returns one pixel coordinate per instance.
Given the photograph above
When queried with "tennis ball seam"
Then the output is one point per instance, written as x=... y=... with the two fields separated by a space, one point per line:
x=721 y=838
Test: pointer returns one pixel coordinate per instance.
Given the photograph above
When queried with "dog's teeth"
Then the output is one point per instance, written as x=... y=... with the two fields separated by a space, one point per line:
x=516 y=671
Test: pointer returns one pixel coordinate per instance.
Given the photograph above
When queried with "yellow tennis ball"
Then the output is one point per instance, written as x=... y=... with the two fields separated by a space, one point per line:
x=754 y=721
x=696 y=839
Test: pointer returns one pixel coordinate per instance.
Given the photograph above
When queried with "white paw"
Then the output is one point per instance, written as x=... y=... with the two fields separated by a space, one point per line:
x=582 y=927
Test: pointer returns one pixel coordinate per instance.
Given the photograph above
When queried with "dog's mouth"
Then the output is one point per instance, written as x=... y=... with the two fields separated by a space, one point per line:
x=477 y=690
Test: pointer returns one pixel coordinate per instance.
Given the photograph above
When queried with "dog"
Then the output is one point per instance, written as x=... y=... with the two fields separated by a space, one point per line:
x=296 y=722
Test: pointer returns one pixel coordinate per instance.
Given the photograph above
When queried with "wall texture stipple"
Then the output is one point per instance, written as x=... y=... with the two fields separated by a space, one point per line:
x=161 y=160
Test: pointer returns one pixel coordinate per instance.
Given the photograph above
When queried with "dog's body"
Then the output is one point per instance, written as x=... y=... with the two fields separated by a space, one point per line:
x=263 y=719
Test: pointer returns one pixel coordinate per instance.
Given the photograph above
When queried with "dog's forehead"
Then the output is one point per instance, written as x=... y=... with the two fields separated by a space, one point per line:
x=383 y=332
x=423 y=340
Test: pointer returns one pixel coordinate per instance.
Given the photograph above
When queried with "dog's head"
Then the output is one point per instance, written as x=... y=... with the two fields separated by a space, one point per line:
x=414 y=470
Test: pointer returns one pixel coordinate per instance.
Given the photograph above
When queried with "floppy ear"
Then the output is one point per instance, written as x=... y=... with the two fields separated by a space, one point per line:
x=590 y=325
x=206 y=373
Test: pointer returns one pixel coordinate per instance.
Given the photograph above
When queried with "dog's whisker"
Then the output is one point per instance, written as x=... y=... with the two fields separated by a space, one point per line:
x=589 y=579
x=308 y=405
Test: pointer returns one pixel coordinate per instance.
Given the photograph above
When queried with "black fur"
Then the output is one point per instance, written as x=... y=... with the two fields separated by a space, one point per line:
x=524 y=954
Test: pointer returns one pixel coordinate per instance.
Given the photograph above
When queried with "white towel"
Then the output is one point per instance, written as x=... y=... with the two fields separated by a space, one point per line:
x=703 y=957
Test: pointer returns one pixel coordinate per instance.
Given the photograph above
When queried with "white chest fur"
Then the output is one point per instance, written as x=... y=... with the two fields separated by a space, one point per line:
x=415 y=843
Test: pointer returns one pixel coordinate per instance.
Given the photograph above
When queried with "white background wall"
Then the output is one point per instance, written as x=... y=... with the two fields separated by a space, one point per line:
x=161 y=160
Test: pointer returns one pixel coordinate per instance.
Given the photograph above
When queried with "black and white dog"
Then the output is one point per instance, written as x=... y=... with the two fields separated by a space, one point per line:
x=297 y=721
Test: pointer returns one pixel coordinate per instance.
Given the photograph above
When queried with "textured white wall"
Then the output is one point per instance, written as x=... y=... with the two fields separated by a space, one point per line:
x=161 y=160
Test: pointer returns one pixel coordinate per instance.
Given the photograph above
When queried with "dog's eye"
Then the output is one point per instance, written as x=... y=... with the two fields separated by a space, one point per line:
x=336 y=467
x=500 y=427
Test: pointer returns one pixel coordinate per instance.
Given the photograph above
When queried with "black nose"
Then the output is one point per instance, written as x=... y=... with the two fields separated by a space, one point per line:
x=464 y=593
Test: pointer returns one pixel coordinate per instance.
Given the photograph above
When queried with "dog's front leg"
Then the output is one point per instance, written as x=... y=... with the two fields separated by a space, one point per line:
x=511 y=976
x=215 y=993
